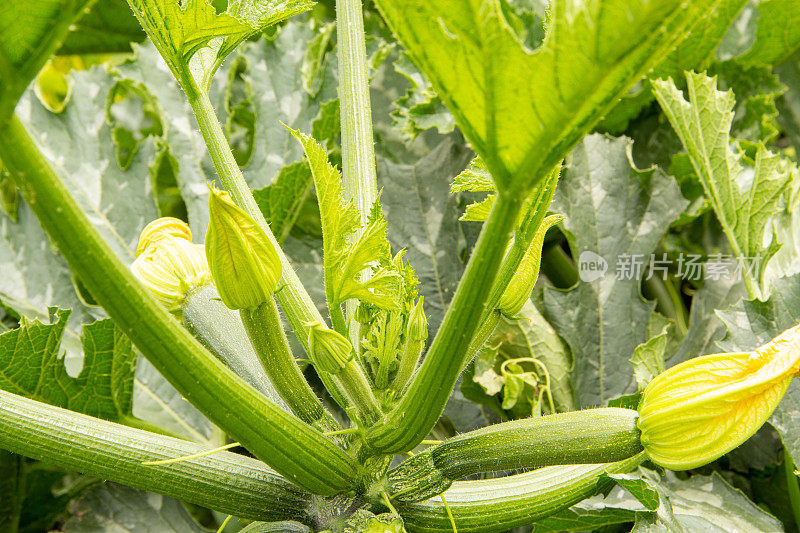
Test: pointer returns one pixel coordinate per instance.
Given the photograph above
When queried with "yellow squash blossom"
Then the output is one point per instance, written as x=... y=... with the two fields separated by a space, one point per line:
x=703 y=408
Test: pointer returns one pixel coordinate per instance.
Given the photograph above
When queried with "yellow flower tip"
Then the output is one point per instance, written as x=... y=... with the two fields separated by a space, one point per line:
x=244 y=263
x=170 y=267
x=162 y=227
x=701 y=409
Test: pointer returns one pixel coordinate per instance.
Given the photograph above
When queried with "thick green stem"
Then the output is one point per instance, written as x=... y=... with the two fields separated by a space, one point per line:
x=263 y=326
x=358 y=154
x=297 y=305
x=488 y=325
x=423 y=402
x=223 y=481
x=511 y=501
x=221 y=331
x=289 y=445
x=412 y=351
x=360 y=182
x=581 y=437
x=354 y=379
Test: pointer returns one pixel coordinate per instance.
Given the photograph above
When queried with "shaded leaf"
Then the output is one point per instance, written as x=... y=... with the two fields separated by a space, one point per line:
x=112 y=507
x=29 y=34
x=423 y=217
x=281 y=200
x=648 y=358
x=700 y=503
x=108 y=27
x=778 y=33
x=419 y=108
x=616 y=214
x=12 y=490
x=751 y=324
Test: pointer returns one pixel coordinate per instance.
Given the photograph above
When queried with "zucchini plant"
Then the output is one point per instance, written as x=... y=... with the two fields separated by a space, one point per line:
x=264 y=328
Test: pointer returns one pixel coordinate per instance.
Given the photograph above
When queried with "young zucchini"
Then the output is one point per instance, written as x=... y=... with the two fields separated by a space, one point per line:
x=494 y=505
x=590 y=436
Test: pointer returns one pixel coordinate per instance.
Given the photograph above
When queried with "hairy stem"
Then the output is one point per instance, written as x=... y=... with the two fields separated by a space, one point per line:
x=223 y=481
x=358 y=154
x=360 y=182
x=270 y=433
x=292 y=296
x=423 y=402
x=263 y=326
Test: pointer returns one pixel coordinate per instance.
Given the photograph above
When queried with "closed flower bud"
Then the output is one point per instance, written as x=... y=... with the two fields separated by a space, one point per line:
x=162 y=227
x=519 y=288
x=243 y=261
x=170 y=267
x=330 y=351
x=703 y=408
x=417 y=328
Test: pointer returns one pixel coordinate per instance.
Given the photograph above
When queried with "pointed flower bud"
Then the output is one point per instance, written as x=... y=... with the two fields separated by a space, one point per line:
x=160 y=228
x=703 y=408
x=243 y=261
x=171 y=267
x=417 y=328
x=330 y=350
x=519 y=288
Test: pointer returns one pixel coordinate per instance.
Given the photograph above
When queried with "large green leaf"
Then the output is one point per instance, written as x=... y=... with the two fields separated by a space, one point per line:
x=108 y=27
x=778 y=33
x=79 y=145
x=705 y=327
x=696 y=52
x=703 y=123
x=751 y=324
x=183 y=145
x=32 y=366
x=423 y=218
x=281 y=200
x=616 y=214
x=34 y=275
x=522 y=113
x=29 y=33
